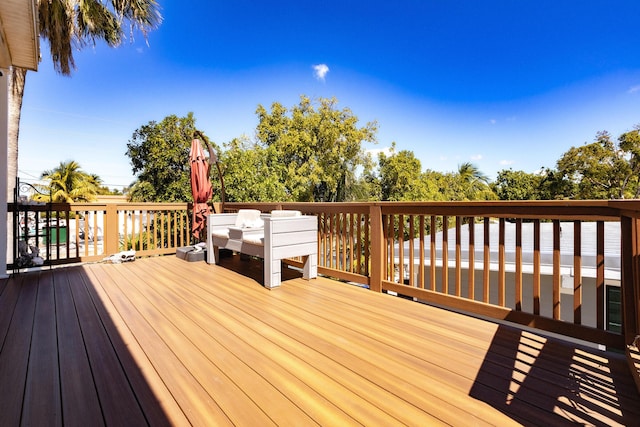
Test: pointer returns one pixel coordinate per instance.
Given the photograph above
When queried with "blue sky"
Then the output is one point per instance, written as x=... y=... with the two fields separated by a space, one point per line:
x=502 y=84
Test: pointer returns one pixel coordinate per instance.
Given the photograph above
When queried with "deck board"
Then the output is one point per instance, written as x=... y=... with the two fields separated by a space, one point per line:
x=76 y=380
x=292 y=355
x=42 y=388
x=161 y=341
x=118 y=401
x=14 y=355
x=195 y=404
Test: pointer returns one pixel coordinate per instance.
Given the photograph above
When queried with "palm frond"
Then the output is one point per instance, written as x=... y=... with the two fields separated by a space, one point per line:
x=69 y=24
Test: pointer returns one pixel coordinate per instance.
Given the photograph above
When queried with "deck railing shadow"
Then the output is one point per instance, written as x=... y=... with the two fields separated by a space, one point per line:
x=519 y=364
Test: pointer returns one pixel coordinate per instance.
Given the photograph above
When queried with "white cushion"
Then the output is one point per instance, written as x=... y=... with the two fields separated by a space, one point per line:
x=249 y=218
x=254 y=239
x=283 y=213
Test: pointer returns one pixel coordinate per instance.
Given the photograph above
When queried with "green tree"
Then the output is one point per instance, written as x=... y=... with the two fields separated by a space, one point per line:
x=401 y=177
x=448 y=184
x=252 y=173
x=67 y=25
x=319 y=150
x=555 y=186
x=366 y=186
x=517 y=185
x=441 y=185
x=68 y=184
x=629 y=144
x=104 y=190
x=598 y=170
x=159 y=154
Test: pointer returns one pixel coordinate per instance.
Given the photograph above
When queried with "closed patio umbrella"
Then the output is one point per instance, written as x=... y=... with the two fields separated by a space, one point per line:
x=200 y=188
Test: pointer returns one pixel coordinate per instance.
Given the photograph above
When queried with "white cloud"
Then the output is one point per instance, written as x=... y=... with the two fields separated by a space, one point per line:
x=506 y=162
x=320 y=71
x=493 y=121
x=476 y=157
x=634 y=89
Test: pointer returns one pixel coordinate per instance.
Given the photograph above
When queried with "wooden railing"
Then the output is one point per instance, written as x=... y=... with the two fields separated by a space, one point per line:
x=546 y=291
x=82 y=232
x=556 y=266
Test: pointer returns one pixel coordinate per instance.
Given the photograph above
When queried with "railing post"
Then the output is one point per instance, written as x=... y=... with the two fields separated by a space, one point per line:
x=377 y=239
x=630 y=253
x=6 y=232
x=630 y=278
x=111 y=238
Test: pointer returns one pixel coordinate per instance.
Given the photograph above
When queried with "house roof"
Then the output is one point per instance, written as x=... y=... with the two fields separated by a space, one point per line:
x=19 y=40
x=588 y=246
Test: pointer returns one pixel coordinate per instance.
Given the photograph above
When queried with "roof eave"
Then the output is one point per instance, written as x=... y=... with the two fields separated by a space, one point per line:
x=19 y=39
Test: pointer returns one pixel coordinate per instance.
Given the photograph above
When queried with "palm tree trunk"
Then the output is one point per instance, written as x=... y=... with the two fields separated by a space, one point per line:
x=16 y=91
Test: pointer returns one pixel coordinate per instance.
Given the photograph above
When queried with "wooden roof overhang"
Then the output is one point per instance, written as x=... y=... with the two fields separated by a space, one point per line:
x=19 y=40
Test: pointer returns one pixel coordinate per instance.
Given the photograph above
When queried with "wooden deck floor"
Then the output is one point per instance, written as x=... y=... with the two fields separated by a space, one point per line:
x=164 y=342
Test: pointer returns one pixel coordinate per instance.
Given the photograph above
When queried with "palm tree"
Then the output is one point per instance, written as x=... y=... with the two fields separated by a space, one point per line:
x=474 y=183
x=470 y=174
x=68 y=183
x=68 y=24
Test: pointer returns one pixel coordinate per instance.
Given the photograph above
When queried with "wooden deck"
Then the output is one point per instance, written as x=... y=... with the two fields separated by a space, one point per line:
x=161 y=341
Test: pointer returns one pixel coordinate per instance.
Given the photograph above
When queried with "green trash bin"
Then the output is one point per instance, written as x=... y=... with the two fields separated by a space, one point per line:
x=58 y=236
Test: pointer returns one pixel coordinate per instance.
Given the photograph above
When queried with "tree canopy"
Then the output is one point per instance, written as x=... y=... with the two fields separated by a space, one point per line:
x=251 y=172
x=315 y=152
x=318 y=150
x=159 y=154
x=596 y=170
x=517 y=185
x=311 y=152
x=602 y=169
x=400 y=177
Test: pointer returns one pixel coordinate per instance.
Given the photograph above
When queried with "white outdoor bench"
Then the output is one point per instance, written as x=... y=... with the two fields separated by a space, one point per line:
x=272 y=237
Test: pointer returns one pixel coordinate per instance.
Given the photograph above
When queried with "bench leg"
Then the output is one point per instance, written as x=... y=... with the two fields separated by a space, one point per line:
x=310 y=268
x=213 y=255
x=272 y=273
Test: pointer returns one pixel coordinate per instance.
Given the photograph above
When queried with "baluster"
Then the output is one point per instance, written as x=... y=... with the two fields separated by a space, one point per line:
x=445 y=254
x=472 y=258
x=577 y=276
x=487 y=261
x=600 y=288
x=458 y=256
x=518 y=278
x=556 y=269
